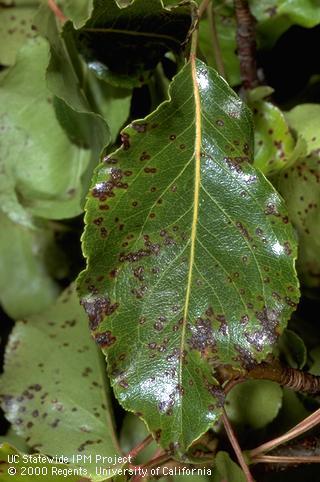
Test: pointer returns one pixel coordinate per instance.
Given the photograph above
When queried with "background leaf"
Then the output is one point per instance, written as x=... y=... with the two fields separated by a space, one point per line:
x=67 y=80
x=41 y=170
x=24 y=262
x=140 y=34
x=185 y=289
x=57 y=396
x=254 y=403
x=16 y=27
x=226 y=469
x=299 y=185
x=6 y=450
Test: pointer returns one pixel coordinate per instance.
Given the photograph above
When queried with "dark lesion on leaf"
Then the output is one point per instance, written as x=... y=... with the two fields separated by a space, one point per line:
x=97 y=308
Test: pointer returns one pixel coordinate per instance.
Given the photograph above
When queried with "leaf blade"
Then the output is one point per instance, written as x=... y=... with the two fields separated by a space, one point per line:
x=166 y=303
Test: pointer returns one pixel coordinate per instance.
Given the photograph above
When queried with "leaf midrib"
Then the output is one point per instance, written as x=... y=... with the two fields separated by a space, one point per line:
x=197 y=181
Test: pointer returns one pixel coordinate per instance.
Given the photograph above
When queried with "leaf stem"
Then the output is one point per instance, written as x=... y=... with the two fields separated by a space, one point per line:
x=297 y=430
x=215 y=41
x=195 y=34
x=236 y=447
x=56 y=10
x=246 y=42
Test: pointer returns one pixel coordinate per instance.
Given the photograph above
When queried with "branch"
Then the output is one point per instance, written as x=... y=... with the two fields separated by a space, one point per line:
x=300 y=428
x=246 y=42
x=234 y=442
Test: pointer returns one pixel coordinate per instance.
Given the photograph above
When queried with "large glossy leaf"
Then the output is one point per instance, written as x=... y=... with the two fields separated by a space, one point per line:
x=16 y=28
x=41 y=170
x=54 y=389
x=24 y=262
x=140 y=34
x=190 y=257
x=299 y=185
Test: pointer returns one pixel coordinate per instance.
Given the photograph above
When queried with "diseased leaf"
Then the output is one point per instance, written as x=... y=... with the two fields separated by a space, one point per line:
x=276 y=16
x=226 y=469
x=185 y=244
x=140 y=34
x=14 y=440
x=300 y=187
x=16 y=27
x=33 y=470
x=24 y=262
x=56 y=396
x=254 y=403
x=274 y=143
x=41 y=171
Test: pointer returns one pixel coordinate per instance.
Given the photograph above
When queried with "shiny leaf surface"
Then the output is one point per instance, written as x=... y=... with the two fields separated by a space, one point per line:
x=56 y=396
x=190 y=257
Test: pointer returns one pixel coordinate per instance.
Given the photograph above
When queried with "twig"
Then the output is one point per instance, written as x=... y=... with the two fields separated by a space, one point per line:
x=215 y=40
x=287 y=377
x=56 y=10
x=234 y=442
x=297 y=430
x=276 y=459
x=203 y=7
x=141 y=446
x=246 y=44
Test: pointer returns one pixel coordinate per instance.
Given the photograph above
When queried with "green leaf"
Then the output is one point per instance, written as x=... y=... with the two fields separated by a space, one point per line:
x=24 y=262
x=14 y=440
x=226 y=27
x=254 y=403
x=292 y=349
x=41 y=171
x=56 y=396
x=226 y=469
x=33 y=470
x=274 y=143
x=78 y=11
x=67 y=80
x=133 y=431
x=199 y=265
x=15 y=28
x=315 y=357
x=276 y=16
x=140 y=34
x=299 y=185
